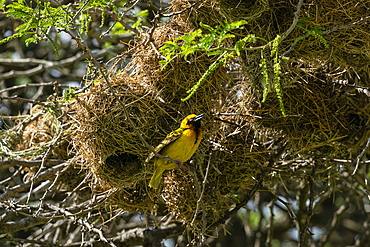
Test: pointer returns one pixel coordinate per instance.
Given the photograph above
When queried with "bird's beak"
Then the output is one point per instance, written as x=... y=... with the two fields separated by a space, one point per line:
x=198 y=118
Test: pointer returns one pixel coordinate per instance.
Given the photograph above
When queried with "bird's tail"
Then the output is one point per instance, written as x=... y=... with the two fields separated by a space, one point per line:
x=156 y=179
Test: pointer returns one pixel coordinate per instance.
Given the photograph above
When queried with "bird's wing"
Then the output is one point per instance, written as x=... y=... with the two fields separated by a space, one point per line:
x=169 y=138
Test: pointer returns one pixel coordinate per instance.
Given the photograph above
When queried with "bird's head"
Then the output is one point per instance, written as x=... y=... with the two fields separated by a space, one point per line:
x=192 y=121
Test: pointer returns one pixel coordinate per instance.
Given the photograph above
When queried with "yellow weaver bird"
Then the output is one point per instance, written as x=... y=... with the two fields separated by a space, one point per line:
x=179 y=145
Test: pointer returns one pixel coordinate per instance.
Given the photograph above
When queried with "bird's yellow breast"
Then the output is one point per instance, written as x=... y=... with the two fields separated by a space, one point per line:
x=184 y=147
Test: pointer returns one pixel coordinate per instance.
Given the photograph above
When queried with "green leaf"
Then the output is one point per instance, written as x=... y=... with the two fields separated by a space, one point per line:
x=237 y=24
x=216 y=52
x=31 y=40
x=266 y=81
x=226 y=36
x=209 y=28
x=211 y=42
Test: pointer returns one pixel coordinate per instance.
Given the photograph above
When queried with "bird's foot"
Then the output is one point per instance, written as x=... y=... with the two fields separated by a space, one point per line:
x=183 y=166
x=179 y=164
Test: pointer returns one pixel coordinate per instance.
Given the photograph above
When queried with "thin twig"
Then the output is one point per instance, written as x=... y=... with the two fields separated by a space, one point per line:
x=6 y=164
x=182 y=11
x=353 y=24
x=255 y=116
x=23 y=100
x=122 y=15
x=46 y=192
x=8 y=179
x=50 y=146
x=303 y=233
x=43 y=175
x=27 y=85
x=270 y=234
x=295 y=21
x=334 y=223
x=361 y=155
x=200 y=201
x=76 y=188
x=79 y=11
x=336 y=28
x=14 y=118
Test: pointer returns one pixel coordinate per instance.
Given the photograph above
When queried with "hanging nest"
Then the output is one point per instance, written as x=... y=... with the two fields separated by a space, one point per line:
x=181 y=199
x=43 y=128
x=43 y=135
x=237 y=146
x=103 y=126
x=321 y=113
x=322 y=110
x=109 y=144
x=347 y=47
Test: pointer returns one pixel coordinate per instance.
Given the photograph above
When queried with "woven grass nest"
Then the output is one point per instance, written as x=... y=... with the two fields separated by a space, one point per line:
x=235 y=145
x=32 y=136
x=322 y=116
x=42 y=136
x=321 y=113
x=268 y=18
x=109 y=146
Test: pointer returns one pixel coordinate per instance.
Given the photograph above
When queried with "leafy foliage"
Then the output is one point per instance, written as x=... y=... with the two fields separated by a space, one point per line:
x=214 y=43
x=39 y=20
x=316 y=32
x=277 y=71
x=68 y=95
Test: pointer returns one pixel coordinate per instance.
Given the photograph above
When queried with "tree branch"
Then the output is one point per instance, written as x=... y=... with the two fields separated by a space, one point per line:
x=43 y=175
x=149 y=237
x=45 y=65
x=6 y=164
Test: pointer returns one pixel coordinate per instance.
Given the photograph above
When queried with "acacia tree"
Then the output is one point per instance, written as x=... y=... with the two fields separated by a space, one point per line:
x=88 y=88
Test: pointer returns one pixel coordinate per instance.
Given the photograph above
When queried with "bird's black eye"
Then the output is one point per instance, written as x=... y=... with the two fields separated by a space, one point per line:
x=191 y=120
